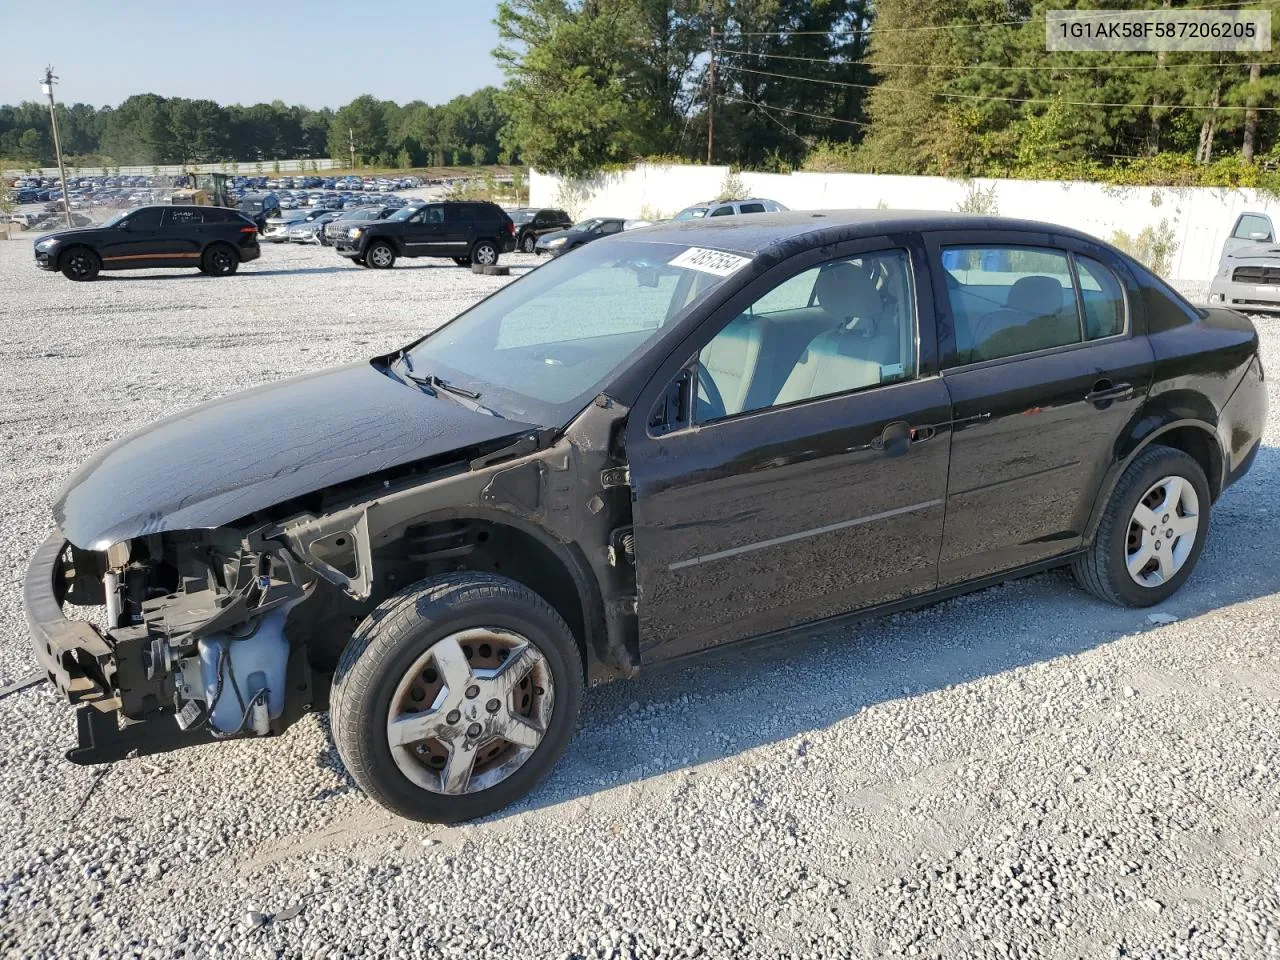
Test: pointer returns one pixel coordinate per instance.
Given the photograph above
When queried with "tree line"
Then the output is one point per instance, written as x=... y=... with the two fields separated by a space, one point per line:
x=892 y=86
x=150 y=129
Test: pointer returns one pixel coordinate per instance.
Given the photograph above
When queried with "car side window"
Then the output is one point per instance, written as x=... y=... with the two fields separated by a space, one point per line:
x=722 y=212
x=145 y=219
x=611 y=226
x=843 y=325
x=1101 y=298
x=1009 y=300
x=433 y=215
x=1254 y=227
x=178 y=217
x=751 y=208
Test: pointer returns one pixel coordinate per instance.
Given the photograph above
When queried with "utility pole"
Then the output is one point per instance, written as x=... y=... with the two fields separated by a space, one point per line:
x=711 y=98
x=351 y=142
x=46 y=87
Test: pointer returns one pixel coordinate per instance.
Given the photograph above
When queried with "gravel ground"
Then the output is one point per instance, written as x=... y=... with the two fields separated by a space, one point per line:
x=1023 y=772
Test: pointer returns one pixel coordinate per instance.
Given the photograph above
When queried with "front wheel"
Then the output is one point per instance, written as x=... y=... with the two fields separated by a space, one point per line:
x=380 y=256
x=456 y=696
x=1151 y=532
x=80 y=263
x=484 y=253
x=529 y=243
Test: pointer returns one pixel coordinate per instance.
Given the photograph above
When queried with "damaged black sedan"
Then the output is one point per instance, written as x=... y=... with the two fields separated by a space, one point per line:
x=680 y=437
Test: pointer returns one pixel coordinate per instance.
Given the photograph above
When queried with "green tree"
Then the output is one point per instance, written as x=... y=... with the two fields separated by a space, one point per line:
x=362 y=121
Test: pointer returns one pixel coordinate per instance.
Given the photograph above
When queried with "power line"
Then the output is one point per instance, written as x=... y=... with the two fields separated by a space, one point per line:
x=807 y=141
x=942 y=66
x=989 y=97
x=798 y=113
x=1081 y=14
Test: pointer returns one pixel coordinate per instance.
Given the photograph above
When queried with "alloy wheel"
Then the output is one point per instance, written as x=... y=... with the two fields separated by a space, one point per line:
x=1162 y=531
x=80 y=264
x=529 y=244
x=485 y=254
x=221 y=261
x=380 y=256
x=470 y=711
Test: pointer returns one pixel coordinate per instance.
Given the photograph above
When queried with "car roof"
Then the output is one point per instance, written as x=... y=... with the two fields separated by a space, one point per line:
x=758 y=232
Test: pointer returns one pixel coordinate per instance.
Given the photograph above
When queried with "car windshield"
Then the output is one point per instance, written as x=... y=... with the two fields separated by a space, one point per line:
x=587 y=224
x=522 y=216
x=117 y=218
x=539 y=349
x=693 y=213
x=404 y=213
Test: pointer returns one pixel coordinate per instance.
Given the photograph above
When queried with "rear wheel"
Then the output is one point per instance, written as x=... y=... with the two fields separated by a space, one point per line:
x=380 y=255
x=1151 y=532
x=485 y=253
x=456 y=696
x=529 y=243
x=80 y=263
x=219 y=261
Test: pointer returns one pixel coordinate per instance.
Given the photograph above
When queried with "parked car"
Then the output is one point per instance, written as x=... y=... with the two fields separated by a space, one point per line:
x=260 y=207
x=276 y=229
x=681 y=437
x=467 y=231
x=559 y=242
x=309 y=229
x=213 y=239
x=532 y=223
x=1248 y=276
x=729 y=208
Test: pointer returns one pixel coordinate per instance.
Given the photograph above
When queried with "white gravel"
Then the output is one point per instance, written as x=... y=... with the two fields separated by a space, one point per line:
x=1020 y=773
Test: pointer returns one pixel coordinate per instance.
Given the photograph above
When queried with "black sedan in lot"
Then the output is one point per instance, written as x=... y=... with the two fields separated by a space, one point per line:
x=686 y=436
x=214 y=240
x=558 y=242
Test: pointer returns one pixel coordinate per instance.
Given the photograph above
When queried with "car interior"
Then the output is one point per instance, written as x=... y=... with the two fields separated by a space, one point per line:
x=852 y=326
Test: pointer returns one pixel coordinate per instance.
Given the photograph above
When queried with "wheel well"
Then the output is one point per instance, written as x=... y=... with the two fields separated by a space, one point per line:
x=444 y=546
x=221 y=243
x=1200 y=446
x=62 y=254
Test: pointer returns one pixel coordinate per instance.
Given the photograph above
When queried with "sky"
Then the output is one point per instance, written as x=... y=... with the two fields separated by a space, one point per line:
x=317 y=53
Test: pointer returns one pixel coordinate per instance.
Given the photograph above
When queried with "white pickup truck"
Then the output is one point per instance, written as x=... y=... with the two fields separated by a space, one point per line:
x=1248 y=275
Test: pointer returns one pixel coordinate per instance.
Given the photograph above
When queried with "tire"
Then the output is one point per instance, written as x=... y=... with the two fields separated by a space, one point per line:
x=380 y=255
x=529 y=243
x=80 y=264
x=1105 y=569
x=462 y=261
x=391 y=655
x=220 y=260
x=485 y=253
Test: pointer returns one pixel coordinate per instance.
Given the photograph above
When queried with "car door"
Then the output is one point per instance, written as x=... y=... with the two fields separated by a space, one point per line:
x=807 y=472
x=134 y=242
x=184 y=231
x=424 y=232
x=1045 y=369
x=459 y=229
x=1250 y=228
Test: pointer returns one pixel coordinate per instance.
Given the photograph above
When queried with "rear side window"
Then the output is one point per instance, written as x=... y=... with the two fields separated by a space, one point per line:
x=1010 y=300
x=1253 y=227
x=722 y=212
x=1101 y=299
x=180 y=217
x=751 y=208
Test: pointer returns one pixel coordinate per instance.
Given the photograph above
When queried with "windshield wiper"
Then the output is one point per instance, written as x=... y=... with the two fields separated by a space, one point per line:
x=433 y=384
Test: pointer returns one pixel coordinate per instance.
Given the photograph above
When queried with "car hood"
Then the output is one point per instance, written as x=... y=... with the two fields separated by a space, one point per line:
x=72 y=233
x=557 y=234
x=222 y=460
x=1256 y=251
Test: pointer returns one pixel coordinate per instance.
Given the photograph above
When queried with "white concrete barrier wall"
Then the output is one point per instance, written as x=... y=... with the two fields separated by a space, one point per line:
x=248 y=168
x=1199 y=217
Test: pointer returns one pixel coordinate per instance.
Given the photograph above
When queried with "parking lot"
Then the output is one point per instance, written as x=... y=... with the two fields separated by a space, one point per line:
x=1024 y=772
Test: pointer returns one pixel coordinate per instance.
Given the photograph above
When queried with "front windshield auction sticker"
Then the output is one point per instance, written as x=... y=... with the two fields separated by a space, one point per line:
x=710 y=261
x=1170 y=29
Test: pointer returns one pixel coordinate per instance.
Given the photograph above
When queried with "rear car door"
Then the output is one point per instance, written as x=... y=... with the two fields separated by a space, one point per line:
x=184 y=231
x=804 y=473
x=459 y=229
x=1045 y=370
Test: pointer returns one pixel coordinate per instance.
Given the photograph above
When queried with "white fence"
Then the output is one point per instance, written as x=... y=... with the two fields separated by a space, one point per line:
x=1198 y=219
x=247 y=168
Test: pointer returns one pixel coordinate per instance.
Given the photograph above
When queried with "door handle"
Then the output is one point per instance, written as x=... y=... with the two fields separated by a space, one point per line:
x=895 y=439
x=1106 y=392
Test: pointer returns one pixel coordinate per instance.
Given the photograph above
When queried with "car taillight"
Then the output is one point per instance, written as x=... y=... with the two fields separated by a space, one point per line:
x=511 y=228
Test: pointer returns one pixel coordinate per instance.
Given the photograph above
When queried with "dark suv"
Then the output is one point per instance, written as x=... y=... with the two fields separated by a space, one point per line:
x=532 y=223
x=213 y=239
x=468 y=231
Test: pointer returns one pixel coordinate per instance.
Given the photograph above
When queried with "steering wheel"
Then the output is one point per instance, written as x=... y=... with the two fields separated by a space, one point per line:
x=714 y=401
